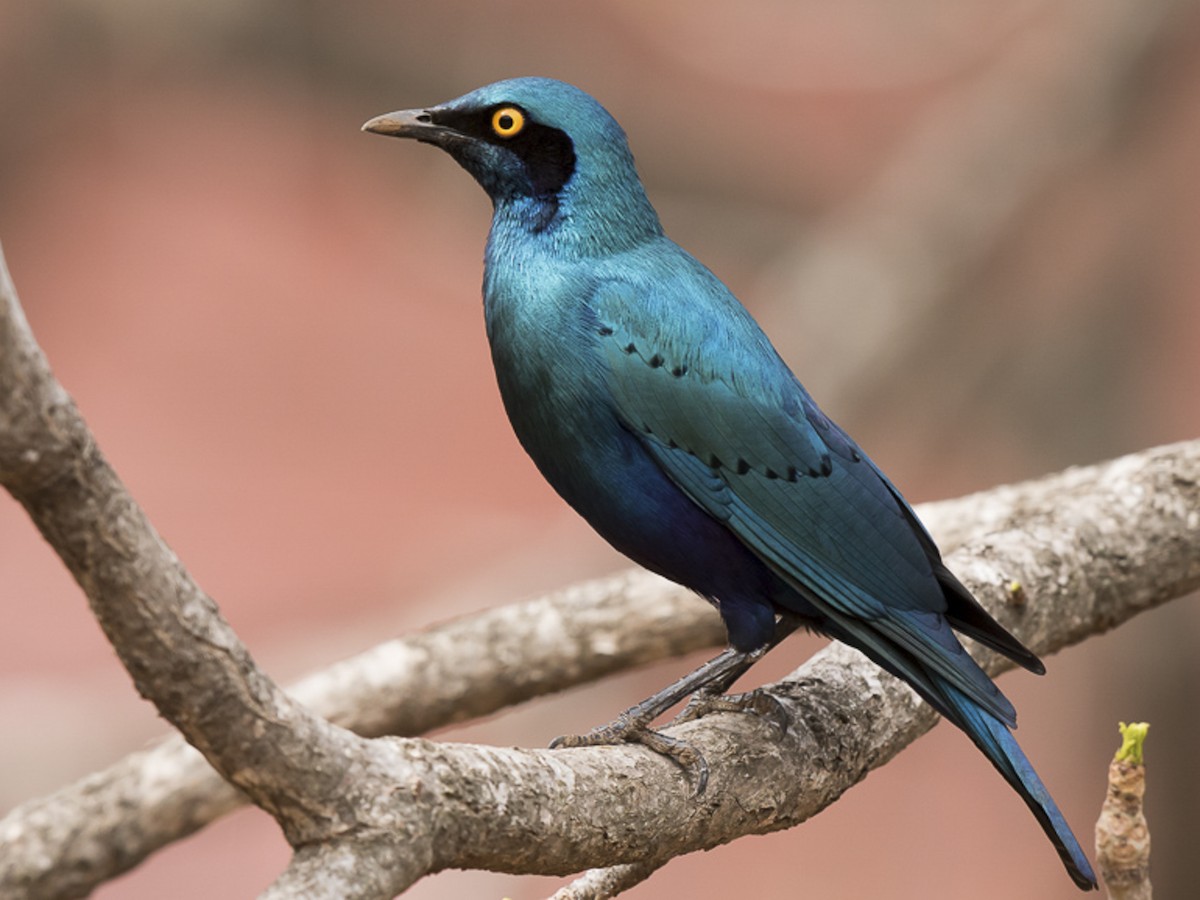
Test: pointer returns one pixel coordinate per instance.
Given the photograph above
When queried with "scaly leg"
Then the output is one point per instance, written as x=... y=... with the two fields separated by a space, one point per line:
x=711 y=697
x=707 y=683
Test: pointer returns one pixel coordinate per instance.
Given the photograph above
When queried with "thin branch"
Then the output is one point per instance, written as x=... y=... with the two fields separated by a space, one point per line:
x=336 y=870
x=596 y=884
x=1122 y=833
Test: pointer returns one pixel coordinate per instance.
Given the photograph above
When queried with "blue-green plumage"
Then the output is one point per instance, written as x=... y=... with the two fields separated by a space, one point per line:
x=654 y=404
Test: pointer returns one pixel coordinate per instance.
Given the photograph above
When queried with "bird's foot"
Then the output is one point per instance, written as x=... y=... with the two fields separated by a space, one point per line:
x=708 y=681
x=757 y=702
x=636 y=729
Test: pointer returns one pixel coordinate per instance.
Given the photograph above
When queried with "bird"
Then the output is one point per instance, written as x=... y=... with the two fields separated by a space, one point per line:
x=655 y=405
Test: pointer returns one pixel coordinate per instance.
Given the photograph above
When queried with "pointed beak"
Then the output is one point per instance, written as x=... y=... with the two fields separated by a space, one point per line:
x=407 y=123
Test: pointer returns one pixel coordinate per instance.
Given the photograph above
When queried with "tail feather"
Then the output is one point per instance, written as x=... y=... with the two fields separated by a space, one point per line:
x=997 y=743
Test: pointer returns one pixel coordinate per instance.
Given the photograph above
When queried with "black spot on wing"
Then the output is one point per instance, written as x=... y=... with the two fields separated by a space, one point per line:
x=709 y=417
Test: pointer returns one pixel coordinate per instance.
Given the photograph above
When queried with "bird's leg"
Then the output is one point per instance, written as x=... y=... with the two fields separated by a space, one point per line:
x=642 y=714
x=711 y=697
x=705 y=685
x=634 y=723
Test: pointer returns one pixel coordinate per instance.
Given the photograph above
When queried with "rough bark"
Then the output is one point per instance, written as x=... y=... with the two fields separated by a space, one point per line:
x=168 y=633
x=94 y=829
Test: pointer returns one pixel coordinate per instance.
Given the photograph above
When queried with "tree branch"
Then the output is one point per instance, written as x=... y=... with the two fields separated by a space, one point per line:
x=600 y=883
x=168 y=634
x=1115 y=540
x=67 y=843
x=1089 y=549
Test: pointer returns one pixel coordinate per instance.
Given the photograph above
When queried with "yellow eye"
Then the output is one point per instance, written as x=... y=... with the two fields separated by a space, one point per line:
x=508 y=121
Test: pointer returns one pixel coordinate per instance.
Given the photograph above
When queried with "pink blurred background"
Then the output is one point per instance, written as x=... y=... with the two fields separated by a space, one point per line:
x=272 y=323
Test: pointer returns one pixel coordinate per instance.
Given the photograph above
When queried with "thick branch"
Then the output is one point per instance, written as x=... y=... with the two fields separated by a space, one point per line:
x=1119 y=542
x=169 y=635
x=67 y=843
x=1082 y=556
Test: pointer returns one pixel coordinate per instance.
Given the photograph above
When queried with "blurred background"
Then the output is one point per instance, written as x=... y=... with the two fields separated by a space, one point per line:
x=971 y=229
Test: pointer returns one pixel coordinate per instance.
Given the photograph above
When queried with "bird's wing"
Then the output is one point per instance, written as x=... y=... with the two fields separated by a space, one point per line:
x=728 y=422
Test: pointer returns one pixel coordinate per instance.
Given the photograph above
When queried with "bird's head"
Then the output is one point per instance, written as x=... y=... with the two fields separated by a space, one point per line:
x=540 y=145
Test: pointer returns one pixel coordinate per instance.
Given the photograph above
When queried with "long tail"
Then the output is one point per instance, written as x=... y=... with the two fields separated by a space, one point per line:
x=997 y=743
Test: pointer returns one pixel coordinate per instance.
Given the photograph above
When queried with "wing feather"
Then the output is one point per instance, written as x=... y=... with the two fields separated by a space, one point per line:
x=746 y=443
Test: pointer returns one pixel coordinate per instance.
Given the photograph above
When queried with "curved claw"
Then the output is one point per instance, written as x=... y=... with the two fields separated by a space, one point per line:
x=757 y=702
x=683 y=754
x=606 y=735
x=705 y=685
x=625 y=730
x=621 y=730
